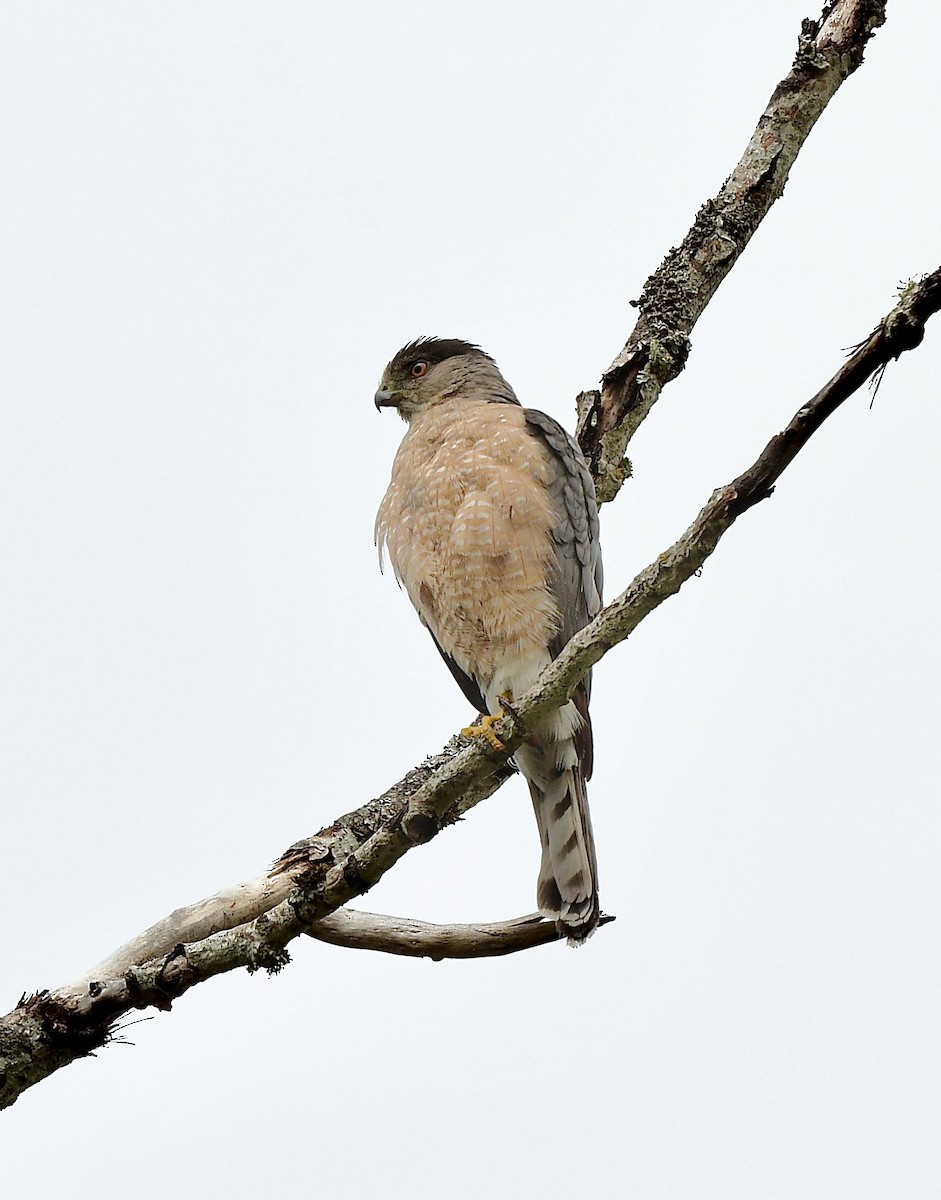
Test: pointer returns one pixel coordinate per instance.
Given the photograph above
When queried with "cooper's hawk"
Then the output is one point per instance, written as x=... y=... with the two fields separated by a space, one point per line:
x=491 y=525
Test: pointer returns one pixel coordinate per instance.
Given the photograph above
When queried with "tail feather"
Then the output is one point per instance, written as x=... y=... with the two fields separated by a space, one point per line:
x=567 y=890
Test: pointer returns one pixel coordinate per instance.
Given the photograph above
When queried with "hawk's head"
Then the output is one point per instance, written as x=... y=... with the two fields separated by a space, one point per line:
x=431 y=370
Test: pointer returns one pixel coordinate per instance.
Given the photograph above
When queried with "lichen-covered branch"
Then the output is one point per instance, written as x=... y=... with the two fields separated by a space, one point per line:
x=902 y=329
x=248 y=925
x=316 y=877
x=251 y=924
x=676 y=295
x=246 y=902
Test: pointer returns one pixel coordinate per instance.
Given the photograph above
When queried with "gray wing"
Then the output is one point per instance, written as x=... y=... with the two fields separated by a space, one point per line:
x=577 y=574
x=576 y=578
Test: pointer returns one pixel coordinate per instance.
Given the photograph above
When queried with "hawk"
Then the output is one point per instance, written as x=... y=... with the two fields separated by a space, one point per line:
x=491 y=525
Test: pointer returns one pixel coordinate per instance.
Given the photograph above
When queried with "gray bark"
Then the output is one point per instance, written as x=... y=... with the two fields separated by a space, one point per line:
x=251 y=924
x=675 y=296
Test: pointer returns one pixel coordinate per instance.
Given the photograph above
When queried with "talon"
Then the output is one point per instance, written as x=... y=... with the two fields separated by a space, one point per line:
x=484 y=728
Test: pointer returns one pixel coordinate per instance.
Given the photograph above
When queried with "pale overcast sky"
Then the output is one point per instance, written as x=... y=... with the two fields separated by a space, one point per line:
x=219 y=221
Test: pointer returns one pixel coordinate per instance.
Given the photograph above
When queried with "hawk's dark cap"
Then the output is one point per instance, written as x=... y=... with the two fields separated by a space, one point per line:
x=431 y=350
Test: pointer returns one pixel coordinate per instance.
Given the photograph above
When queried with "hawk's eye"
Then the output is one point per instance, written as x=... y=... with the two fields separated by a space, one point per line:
x=419 y=369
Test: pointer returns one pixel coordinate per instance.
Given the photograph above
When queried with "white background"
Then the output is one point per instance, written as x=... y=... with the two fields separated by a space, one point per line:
x=219 y=221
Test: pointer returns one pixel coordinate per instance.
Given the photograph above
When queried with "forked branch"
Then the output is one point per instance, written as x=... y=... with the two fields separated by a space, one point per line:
x=251 y=924
x=316 y=877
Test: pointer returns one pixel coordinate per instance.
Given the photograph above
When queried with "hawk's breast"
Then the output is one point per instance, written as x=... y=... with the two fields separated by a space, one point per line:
x=467 y=523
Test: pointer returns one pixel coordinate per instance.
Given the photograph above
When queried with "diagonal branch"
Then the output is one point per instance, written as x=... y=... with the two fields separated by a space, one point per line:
x=900 y=330
x=251 y=924
x=48 y=1031
x=314 y=856
x=676 y=295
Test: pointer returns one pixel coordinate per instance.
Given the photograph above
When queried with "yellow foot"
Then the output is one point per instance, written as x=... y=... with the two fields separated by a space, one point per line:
x=484 y=728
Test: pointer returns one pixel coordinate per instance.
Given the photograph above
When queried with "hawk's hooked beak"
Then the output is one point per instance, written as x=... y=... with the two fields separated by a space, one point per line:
x=385 y=398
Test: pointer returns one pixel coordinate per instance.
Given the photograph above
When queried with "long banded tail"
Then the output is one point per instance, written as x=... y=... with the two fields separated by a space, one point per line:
x=567 y=890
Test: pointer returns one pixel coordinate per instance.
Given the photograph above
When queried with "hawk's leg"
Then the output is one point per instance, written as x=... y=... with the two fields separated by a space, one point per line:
x=484 y=727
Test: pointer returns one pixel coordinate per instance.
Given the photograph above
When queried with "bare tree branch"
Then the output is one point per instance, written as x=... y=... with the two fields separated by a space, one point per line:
x=251 y=924
x=314 y=856
x=48 y=1031
x=420 y=939
x=676 y=295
